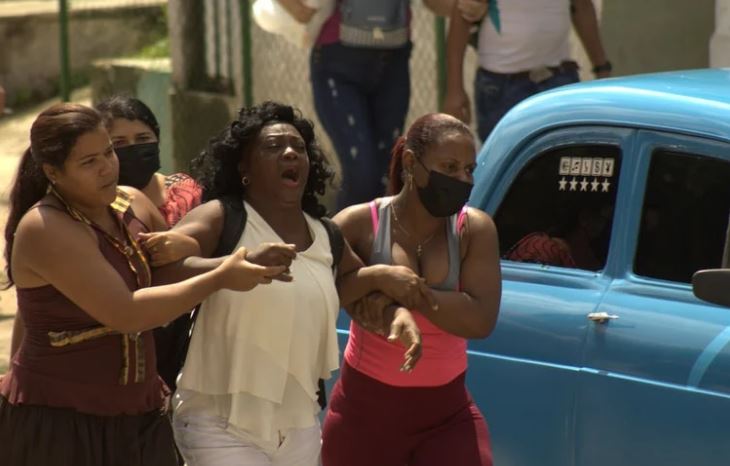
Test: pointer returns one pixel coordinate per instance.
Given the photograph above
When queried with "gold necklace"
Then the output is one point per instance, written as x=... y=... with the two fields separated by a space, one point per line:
x=419 y=245
x=130 y=248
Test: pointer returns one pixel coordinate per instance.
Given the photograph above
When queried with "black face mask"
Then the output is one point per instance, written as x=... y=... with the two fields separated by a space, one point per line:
x=138 y=163
x=443 y=196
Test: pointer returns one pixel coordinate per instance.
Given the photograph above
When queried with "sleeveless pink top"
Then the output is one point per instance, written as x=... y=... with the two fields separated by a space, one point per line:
x=444 y=355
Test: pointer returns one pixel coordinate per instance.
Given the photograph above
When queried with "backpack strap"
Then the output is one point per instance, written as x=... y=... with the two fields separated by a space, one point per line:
x=337 y=241
x=234 y=221
x=337 y=246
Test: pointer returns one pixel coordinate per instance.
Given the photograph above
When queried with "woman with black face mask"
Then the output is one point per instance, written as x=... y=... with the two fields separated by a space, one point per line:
x=135 y=134
x=425 y=417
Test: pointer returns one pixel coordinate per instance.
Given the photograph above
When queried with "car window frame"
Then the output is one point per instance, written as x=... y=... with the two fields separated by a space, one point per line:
x=501 y=173
x=647 y=142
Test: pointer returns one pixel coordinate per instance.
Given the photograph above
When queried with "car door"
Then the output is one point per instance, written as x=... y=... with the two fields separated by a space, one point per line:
x=655 y=383
x=525 y=375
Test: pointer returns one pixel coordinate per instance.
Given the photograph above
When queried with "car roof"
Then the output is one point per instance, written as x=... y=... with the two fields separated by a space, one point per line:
x=692 y=102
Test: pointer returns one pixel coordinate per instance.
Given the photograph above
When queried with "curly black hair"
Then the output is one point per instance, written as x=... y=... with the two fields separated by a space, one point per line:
x=216 y=168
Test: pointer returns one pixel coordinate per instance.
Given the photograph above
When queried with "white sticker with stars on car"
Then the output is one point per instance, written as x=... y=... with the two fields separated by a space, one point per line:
x=585 y=174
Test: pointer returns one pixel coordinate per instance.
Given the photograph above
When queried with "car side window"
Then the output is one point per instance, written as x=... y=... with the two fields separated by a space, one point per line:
x=559 y=209
x=684 y=216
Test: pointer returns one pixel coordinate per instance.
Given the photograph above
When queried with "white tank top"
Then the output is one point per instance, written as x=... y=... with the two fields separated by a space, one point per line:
x=255 y=357
x=532 y=33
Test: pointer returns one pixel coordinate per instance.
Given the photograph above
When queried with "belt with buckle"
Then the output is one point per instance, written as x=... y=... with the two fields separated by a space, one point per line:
x=539 y=74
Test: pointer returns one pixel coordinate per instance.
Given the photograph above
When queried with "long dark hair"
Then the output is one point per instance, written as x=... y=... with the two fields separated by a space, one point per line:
x=52 y=136
x=216 y=168
x=423 y=134
x=130 y=108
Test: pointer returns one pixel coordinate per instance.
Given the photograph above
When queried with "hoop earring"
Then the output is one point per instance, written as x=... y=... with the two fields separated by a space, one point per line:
x=245 y=180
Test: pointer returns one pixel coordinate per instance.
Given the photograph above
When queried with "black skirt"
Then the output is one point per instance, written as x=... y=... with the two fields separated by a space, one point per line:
x=44 y=436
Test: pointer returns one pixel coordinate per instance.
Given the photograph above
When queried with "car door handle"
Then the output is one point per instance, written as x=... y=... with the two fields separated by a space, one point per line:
x=601 y=317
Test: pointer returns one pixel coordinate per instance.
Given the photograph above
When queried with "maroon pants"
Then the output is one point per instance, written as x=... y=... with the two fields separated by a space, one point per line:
x=370 y=423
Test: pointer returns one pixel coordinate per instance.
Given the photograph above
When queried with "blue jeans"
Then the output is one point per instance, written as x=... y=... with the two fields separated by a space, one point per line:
x=361 y=96
x=495 y=94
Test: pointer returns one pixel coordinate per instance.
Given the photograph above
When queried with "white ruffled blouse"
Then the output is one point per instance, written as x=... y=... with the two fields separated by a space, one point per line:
x=255 y=357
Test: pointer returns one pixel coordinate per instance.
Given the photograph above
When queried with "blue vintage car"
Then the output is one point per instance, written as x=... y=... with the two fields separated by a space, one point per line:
x=604 y=356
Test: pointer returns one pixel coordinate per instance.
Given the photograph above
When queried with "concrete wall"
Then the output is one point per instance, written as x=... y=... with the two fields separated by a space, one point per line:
x=198 y=115
x=195 y=118
x=652 y=35
x=657 y=35
x=29 y=54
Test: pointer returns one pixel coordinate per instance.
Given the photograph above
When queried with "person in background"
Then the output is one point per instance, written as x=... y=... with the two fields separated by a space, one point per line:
x=361 y=83
x=523 y=49
x=577 y=239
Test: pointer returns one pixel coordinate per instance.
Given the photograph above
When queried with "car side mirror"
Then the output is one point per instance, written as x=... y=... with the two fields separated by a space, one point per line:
x=712 y=285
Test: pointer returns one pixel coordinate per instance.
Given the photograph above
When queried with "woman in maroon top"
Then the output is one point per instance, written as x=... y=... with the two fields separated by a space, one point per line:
x=82 y=388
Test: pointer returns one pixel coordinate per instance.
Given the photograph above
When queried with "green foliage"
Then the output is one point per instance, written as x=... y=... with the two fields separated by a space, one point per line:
x=158 y=49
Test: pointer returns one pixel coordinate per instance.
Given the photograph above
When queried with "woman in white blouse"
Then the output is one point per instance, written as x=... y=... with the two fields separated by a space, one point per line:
x=248 y=391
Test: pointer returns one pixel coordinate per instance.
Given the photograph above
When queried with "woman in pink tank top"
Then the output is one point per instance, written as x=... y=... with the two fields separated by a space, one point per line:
x=82 y=389
x=426 y=417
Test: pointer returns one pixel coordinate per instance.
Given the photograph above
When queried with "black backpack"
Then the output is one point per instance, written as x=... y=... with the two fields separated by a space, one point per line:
x=172 y=341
